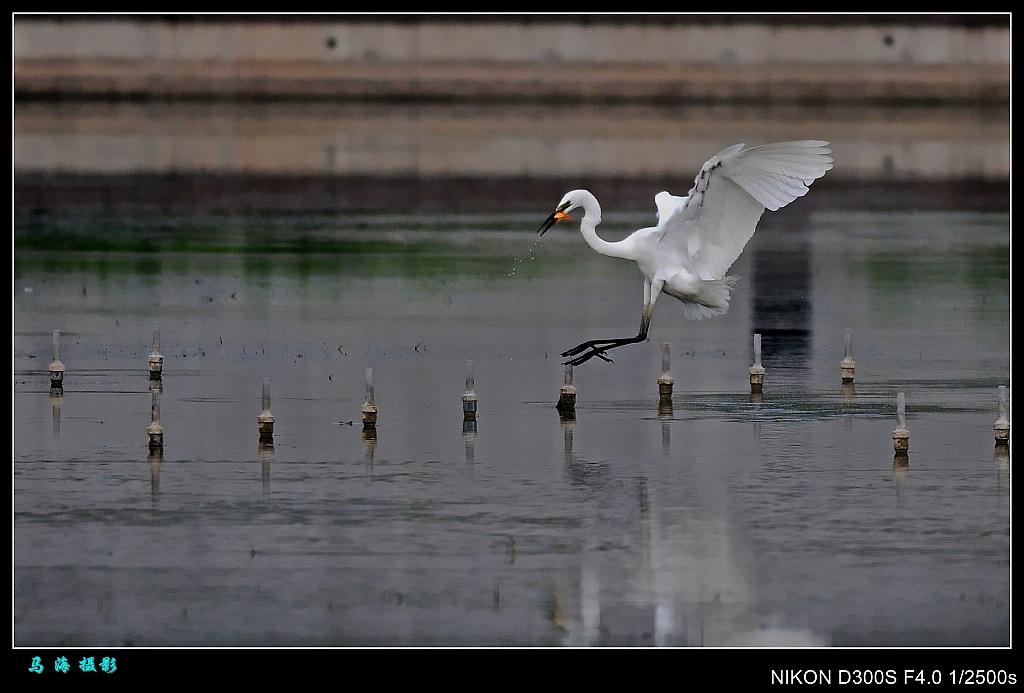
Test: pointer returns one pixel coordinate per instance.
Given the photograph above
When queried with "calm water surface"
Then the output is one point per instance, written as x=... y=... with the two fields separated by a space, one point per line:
x=725 y=522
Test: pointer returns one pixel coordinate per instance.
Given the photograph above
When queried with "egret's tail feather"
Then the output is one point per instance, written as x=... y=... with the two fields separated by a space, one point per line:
x=711 y=300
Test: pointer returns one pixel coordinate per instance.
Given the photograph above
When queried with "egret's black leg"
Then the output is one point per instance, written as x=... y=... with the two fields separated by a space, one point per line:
x=598 y=347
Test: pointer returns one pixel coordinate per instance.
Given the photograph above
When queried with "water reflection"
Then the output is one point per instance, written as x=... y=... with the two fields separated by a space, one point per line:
x=265 y=455
x=369 y=448
x=590 y=603
x=675 y=558
x=469 y=429
x=568 y=424
x=1001 y=456
x=665 y=414
x=431 y=140
x=780 y=293
x=849 y=392
x=155 y=459
x=900 y=467
x=56 y=399
x=756 y=399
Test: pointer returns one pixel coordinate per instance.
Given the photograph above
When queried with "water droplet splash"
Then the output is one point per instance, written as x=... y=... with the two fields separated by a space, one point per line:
x=516 y=261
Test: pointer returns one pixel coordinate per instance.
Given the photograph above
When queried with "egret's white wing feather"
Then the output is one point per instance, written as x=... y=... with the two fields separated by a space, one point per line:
x=667 y=203
x=714 y=222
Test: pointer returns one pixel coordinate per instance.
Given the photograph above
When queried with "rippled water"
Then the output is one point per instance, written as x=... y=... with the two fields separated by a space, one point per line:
x=725 y=522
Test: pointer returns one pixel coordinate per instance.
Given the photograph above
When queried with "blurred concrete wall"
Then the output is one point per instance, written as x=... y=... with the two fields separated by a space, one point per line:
x=514 y=59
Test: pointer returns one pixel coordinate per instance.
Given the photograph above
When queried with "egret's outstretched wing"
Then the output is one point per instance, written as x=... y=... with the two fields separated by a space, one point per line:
x=730 y=194
x=667 y=204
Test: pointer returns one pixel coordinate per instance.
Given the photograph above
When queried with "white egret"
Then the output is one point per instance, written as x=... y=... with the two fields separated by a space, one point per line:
x=699 y=236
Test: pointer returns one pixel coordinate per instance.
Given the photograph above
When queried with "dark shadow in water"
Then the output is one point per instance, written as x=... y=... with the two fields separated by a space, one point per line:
x=781 y=294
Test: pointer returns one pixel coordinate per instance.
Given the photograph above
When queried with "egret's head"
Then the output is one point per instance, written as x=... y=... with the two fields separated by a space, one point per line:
x=569 y=202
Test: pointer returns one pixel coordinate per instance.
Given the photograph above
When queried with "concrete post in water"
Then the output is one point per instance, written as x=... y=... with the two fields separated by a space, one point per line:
x=1002 y=424
x=757 y=370
x=156 y=359
x=901 y=436
x=665 y=380
x=369 y=406
x=155 y=431
x=567 y=396
x=266 y=420
x=469 y=399
x=847 y=366
x=56 y=367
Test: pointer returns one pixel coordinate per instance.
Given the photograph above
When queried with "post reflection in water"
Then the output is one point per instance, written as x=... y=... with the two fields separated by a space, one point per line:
x=900 y=467
x=1001 y=456
x=370 y=447
x=755 y=415
x=568 y=424
x=665 y=414
x=155 y=458
x=590 y=603
x=849 y=391
x=56 y=399
x=469 y=437
x=265 y=454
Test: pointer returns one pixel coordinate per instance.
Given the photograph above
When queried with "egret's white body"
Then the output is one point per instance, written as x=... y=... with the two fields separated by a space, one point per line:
x=699 y=236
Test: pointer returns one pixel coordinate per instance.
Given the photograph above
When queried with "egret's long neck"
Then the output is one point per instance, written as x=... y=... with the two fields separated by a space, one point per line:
x=588 y=227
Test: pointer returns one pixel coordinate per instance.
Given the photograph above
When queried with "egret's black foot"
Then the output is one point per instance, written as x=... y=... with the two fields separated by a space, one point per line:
x=583 y=358
x=597 y=347
x=580 y=348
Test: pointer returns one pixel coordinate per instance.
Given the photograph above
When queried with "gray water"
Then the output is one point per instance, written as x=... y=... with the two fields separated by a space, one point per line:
x=728 y=521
